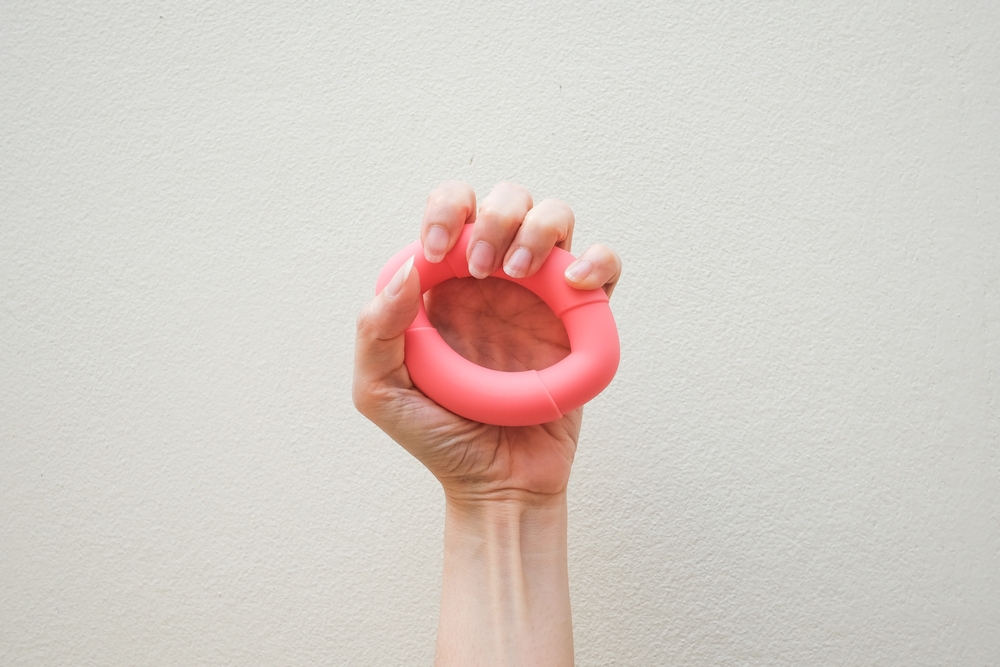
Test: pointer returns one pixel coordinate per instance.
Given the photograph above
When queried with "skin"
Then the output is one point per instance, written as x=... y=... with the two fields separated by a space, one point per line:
x=505 y=591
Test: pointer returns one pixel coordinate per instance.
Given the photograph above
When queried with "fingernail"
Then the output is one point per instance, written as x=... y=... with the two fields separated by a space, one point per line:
x=435 y=244
x=392 y=289
x=481 y=261
x=518 y=264
x=579 y=270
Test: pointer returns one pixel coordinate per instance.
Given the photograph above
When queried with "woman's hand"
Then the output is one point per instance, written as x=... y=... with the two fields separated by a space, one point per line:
x=505 y=585
x=492 y=322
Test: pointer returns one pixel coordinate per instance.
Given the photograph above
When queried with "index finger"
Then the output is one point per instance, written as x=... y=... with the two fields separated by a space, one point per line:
x=450 y=206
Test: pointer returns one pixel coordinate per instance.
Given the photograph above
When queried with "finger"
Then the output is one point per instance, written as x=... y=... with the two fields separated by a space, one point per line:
x=450 y=206
x=548 y=224
x=378 y=350
x=497 y=222
x=598 y=266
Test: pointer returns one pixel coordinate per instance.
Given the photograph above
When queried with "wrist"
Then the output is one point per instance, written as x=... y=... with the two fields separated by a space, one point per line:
x=508 y=522
x=505 y=594
x=502 y=503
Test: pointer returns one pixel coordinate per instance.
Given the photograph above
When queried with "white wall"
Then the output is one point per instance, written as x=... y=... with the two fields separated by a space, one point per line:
x=796 y=465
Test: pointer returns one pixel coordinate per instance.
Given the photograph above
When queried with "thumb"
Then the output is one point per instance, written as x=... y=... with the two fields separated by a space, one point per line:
x=378 y=351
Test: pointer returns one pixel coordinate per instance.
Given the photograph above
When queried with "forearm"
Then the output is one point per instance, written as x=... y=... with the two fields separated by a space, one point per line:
x=505 y=592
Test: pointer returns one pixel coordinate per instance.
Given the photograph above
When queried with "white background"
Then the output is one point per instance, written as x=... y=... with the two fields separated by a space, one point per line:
x=797 y=463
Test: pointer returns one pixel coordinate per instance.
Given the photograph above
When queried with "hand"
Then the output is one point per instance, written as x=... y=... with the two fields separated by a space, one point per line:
x=505 y=585
x=492 y=322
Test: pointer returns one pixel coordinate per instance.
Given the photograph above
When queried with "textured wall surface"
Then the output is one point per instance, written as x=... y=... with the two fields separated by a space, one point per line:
x=796 y=465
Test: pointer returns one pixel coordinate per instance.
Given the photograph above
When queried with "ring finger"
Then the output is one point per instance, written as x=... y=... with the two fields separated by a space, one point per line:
x=548 y=224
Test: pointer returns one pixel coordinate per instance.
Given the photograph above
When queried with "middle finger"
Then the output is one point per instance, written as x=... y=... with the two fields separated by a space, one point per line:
x=500 y=215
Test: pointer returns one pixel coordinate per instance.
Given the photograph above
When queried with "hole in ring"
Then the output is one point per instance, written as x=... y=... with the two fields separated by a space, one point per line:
x=497 y=324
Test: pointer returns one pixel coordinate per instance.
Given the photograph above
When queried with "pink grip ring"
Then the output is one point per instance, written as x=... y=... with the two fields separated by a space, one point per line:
x=519 y=398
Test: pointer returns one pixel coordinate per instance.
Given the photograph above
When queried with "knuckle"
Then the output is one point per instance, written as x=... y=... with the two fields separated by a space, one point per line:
x=450 y=195
x=512 y=190
x=600 y=250
x=616 y=260
x=524 y=192
x=494 y=215
x=447 y=201
x=551 y=222
x=552 y=213
x=558 y=206
x=610 y=263
x=605 y=261
x=441 y=201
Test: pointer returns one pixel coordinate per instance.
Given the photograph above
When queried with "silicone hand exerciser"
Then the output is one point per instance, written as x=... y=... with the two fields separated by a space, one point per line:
x=518 y=398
